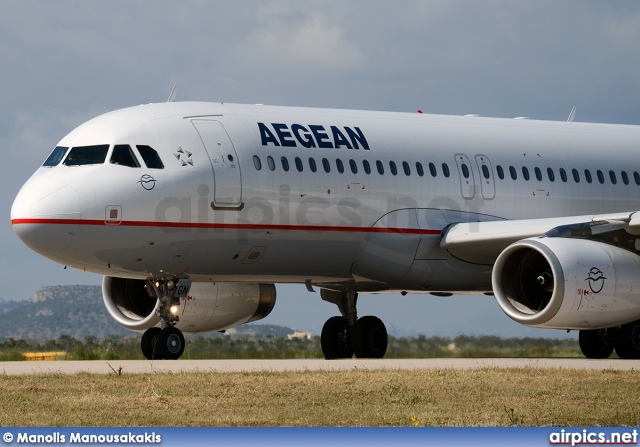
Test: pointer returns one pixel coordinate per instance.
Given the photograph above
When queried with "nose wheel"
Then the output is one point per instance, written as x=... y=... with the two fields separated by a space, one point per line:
x=166 y=343
x=162 y=344
x=149 y=343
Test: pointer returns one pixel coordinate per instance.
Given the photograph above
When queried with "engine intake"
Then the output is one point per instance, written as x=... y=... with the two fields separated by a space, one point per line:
x=567 y=283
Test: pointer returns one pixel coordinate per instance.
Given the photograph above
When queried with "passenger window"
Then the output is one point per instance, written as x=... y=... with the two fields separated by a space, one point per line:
x=285 y=164
x=500 y=172
x=612 y=176
x=406 y=169
x=257 y=163
x=366 y=166
x=419 y=169
x=600 y=176
x=636 y=177
x=485 y=172
x=380 y=167
x=513 y=172
x=123 y=155
x=551 y=175
x=354 y=166
x=625 y=177
x=465 y=170
x=312 y=165
x=87 y=155
x=525 y=173
x=432 y=170
x=326 y=165
x=56 y=156
x=445 y=170
x=298 y=162
x=271 y=163
x=150 y=157
x=339 y=165
x=587 y=176
x=563 y=175
x=393 y=168
x=538 y=173
x=576 y=175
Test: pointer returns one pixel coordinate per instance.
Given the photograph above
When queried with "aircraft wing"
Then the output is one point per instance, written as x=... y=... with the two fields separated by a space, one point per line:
x=482 y=242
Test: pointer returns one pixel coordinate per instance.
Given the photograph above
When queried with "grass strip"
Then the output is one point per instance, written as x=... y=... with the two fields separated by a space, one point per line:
x=485 y=397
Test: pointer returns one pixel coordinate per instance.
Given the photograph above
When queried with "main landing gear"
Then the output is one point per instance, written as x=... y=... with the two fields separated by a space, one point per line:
x=599 y=344
x=344 y=336
x=166 y=343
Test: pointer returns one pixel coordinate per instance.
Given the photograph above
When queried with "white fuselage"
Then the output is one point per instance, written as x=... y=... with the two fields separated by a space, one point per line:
x=225 y=207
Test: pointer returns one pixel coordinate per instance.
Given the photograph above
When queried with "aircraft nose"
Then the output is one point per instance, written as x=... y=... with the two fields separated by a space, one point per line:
x=45 y=216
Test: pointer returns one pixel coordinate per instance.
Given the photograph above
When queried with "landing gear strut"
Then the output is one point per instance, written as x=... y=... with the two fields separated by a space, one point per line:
x=166 y=342
x=344 y=336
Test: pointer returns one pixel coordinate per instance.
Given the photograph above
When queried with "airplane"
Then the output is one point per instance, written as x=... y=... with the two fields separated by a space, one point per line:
x=193 y=211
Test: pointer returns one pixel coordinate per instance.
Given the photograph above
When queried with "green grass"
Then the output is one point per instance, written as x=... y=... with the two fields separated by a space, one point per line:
x=115 y=348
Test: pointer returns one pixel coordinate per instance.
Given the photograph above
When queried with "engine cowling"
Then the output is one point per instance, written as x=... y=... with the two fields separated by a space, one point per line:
x=567 y=283
x=209 y=306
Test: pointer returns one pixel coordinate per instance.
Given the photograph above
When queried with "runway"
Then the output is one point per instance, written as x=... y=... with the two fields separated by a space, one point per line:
x=221 y=366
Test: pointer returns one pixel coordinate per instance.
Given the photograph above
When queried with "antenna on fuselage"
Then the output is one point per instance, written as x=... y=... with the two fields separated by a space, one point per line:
x=572 y=115
x=172 y=95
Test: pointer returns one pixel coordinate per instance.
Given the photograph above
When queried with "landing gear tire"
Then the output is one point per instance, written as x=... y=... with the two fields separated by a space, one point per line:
x=595 y=344
x=369 y=338
x=149 y=344
x=334 y=339
x=170 y=343
x=627 y=342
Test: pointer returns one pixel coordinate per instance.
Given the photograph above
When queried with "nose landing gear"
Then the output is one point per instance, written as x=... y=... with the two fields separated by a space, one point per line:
x=344 y=336
x=166 y=343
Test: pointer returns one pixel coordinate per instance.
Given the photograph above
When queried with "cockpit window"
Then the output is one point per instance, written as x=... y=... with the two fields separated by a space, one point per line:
x=123 y=155
x=150 y=157
x=56 y=156
x=87 y=155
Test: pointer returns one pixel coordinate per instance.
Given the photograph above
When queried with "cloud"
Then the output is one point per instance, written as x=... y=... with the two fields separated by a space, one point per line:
x=299 y=41
x=623 y=31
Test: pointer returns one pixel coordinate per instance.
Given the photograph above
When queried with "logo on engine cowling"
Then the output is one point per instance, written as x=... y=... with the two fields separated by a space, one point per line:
x=596 y=279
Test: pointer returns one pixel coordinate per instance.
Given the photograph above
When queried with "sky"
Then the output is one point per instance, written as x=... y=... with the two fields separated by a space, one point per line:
x=65 y=62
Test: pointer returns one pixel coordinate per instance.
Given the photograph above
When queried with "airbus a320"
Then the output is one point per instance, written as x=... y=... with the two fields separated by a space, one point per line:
x=193 y=212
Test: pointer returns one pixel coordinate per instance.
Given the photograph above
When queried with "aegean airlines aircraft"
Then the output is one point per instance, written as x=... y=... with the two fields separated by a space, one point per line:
x=193 y=212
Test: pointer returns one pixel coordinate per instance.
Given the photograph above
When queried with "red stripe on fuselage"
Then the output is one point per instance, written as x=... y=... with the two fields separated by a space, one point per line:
x=133 y=223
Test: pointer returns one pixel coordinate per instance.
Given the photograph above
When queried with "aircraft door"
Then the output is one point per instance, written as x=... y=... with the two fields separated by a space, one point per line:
x=467 y=182
x=487 y=184
x=227 y=177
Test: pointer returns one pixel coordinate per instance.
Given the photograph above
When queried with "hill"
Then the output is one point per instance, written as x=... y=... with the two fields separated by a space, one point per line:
x=9 y=305
x=78 y=312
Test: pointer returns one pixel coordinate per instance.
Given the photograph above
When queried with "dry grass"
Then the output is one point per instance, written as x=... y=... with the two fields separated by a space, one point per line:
x=487 y=397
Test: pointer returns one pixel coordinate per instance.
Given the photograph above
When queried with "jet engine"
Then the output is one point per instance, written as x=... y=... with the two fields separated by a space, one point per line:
x=209 y=306
x=567 y=283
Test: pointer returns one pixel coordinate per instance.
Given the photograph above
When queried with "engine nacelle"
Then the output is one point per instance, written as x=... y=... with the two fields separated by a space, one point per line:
x=567 y=283
x=209 y=306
